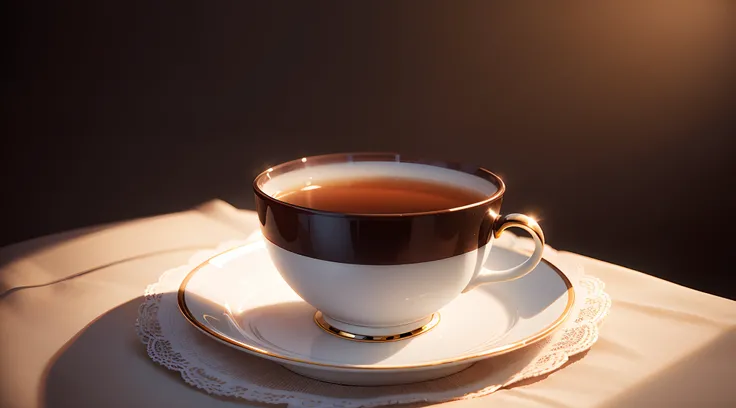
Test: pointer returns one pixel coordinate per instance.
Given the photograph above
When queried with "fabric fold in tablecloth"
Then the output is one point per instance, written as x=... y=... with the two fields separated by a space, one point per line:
x=45 y=260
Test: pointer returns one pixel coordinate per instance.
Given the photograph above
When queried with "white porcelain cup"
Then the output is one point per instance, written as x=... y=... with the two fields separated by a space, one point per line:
x=382 y=276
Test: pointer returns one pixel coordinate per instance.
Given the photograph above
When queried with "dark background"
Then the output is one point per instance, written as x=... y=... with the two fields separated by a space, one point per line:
x=612 y=122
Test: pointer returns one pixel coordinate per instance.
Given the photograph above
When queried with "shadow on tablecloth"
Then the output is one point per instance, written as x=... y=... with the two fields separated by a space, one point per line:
x=705 y=375
x=106 y=365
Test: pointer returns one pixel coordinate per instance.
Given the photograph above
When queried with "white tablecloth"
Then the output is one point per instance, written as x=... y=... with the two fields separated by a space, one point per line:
x=68 y=305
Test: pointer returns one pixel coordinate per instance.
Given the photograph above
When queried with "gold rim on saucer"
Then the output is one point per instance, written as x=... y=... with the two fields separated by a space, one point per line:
x=181 y=300
x=322 y=323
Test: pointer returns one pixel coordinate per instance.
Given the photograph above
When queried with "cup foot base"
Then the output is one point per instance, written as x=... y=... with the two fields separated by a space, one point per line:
x=375 y=334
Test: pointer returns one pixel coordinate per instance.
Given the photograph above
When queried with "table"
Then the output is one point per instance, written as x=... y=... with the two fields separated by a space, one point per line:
x=68 y=304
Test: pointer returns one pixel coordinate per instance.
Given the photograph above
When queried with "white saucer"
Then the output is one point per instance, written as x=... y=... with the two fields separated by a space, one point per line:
x=238 y=298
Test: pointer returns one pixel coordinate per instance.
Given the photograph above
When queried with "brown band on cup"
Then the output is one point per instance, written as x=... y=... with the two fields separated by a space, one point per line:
x=376 y=239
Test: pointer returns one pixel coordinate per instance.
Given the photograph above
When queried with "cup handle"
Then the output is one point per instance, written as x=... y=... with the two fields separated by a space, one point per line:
x=500 y=224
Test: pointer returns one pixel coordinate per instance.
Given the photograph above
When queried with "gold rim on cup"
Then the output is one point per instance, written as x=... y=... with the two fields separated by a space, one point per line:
x=322 y=323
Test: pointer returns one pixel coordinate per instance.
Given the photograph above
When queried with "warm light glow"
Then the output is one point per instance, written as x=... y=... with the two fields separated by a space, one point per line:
x=492 y=214
x=314 y=187
x=270 y=169
x=304 y=159
x=227 y=256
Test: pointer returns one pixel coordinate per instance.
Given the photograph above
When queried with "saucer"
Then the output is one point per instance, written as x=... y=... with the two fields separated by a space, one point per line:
x=238 y=298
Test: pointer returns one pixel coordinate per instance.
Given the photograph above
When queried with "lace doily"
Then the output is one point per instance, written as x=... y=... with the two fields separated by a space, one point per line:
x=220 y=370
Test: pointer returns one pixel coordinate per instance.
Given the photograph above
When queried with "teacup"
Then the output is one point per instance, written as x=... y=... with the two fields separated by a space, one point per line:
x=384 y=276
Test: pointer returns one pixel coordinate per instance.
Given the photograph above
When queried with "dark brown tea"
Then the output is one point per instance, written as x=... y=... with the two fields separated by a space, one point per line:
x=381 y=195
